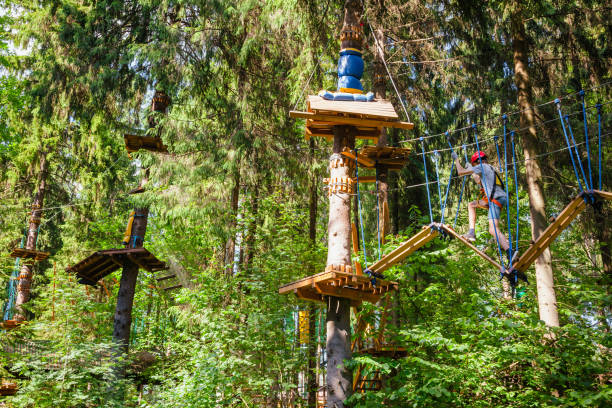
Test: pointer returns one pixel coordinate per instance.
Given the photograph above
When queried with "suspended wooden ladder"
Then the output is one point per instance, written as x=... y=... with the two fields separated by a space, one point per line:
x=378 y=346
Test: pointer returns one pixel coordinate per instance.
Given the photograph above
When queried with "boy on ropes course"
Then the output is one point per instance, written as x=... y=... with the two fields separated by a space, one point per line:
x=493 y=197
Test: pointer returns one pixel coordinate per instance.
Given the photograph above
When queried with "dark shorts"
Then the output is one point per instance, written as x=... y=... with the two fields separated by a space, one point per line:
x=494 y=210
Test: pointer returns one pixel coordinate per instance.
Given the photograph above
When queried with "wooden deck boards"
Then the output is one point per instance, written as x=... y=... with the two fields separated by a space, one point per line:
x=338 y=284
x=8 y=388
x=380 y=108
x=102 y=263
x=368 y=117
x=29 y=254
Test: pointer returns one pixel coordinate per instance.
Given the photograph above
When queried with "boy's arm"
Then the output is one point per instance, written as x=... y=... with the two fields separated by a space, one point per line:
x=462 y=171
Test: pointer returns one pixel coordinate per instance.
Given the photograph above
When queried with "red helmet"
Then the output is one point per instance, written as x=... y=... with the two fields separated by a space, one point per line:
x=478 y=155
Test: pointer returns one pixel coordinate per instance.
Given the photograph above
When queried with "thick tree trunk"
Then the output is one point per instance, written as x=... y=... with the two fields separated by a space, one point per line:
x=339 y=379
x=311 y=375
x=547 y=300
x=25 y=274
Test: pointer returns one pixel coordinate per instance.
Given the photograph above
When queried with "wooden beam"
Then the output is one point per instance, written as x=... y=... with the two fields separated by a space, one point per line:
x=360 y=159
x=603 y=194
x=484 y=256
x=342 y=120
x=405 y=249
x=571 y=211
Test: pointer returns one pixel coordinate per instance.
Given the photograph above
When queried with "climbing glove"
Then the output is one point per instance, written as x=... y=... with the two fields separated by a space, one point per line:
x=454 y=155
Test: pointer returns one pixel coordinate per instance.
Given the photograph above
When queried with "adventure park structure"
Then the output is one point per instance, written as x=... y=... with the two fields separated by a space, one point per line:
x=342 y=117
x=133 y=256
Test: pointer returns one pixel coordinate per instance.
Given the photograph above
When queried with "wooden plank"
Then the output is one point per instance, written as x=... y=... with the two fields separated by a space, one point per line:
x=341 y=120
x=484 y=256
x=603 y=194
x=346 y=293
x=360 y=159
x=569 y=213
x=379 y=108
x=405 y=249
x=308 y=281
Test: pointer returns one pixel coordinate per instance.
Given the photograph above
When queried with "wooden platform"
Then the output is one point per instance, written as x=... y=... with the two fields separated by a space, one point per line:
x=29 y=254
x=133 y=143
x=394 y=158
x=560 y=223
x=10 y=324
x=368 y=117
x=406 y=248
x=338 y=284
x=8 y=387
x=100 y=264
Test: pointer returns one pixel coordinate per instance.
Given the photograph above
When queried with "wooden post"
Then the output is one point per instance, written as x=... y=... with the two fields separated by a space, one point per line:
x=339 y=379
x=125 y=297
x=25 y=274
x=547 y=300
x=311 y=383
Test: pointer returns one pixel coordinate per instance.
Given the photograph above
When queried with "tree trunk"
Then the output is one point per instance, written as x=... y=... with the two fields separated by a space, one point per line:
x=547 y=300
x=311 y=374
x=25 y=274
x=339 y=379
x=125 y=297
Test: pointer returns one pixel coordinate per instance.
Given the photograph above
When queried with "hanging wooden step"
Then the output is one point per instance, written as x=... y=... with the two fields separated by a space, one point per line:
x=29 y=254
x=133 y=143
x=339 y=281
x=8 y=387
x=102 y=263
x=368 y=117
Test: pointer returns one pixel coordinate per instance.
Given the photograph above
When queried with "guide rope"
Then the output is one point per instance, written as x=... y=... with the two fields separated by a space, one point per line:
x=484 y=183
x=569 y=148
x=426 y=181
